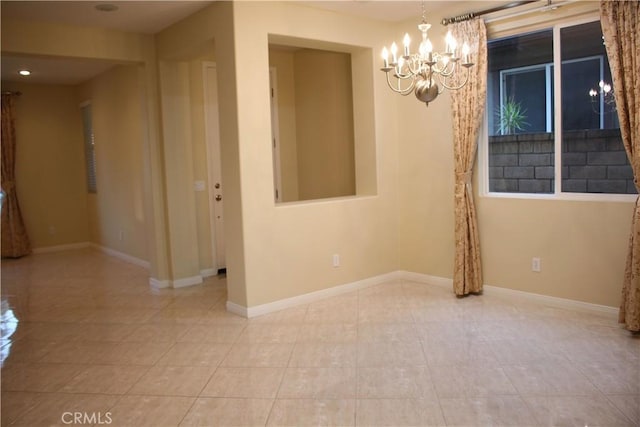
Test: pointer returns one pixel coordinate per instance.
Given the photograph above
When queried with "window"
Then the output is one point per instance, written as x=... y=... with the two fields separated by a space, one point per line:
x=89 y=147
x=529 y=77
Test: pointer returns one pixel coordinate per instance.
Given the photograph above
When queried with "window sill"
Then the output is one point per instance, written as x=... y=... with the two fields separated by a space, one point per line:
x=572 y=197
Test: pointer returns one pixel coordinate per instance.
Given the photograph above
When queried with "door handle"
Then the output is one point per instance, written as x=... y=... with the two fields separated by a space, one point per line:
x=218 y=198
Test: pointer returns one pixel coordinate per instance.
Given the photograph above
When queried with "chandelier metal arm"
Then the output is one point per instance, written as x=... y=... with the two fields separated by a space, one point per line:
x=398 y=88
x=445 y=69
x=443 y=81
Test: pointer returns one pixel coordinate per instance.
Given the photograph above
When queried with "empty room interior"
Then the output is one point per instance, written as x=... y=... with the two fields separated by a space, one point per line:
x=227 y=213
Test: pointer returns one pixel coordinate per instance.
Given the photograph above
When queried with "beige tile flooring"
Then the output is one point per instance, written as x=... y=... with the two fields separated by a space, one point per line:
x=84 y=333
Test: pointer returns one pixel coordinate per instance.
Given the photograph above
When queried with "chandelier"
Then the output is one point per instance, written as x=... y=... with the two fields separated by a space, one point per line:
x=426 y=73
x=602 y=100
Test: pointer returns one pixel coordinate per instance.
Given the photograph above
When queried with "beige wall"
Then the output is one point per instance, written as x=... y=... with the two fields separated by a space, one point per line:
x=117 y=217
x=354 y=227
x=324 y=124
x=282 y=61
x=582 y=245
x=50 y=169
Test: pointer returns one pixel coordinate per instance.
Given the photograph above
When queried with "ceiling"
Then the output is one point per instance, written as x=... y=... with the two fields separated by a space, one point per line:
x=150 y=17
x=147 y=17
x=390 y=11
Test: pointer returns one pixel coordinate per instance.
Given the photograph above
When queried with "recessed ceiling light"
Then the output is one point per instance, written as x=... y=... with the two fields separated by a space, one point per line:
x=106 y=7
x=24 y=72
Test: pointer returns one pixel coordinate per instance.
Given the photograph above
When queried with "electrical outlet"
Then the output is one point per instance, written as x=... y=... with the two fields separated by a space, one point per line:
x=336 y=260
x=536 y=265
x=52 y=230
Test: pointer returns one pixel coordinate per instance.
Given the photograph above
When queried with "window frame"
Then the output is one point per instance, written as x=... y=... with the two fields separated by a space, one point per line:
x=483 y=139
x=525 y=69
x=600 y=59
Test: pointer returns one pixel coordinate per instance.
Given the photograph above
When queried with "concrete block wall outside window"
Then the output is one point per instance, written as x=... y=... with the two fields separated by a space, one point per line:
x=593 y=161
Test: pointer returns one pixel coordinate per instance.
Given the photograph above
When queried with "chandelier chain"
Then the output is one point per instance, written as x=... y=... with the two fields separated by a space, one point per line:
x=426 y=72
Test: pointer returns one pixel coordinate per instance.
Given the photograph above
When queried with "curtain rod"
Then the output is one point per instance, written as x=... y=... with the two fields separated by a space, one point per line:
x=471 y=15
x=8 y=92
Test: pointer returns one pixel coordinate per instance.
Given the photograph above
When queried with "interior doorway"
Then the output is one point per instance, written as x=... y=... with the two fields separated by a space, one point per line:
x=214 y=165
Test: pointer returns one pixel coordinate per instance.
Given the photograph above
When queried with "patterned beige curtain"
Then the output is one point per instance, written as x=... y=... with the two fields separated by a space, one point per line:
x=621 y=29
x=15 y=242
x=467 y=109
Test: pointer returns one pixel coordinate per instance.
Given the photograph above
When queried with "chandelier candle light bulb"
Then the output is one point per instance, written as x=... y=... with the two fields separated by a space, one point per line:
x=406 y=41
x=385 y=57
x=450 y=45
x=427 y=73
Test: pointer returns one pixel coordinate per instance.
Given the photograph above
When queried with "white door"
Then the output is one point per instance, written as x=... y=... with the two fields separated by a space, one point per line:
x=212 y=130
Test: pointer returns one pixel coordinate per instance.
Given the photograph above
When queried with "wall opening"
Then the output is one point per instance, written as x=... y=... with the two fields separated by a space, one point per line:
x=322 y=136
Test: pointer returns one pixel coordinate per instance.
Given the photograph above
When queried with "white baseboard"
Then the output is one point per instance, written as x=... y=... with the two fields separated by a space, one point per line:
x=121 y=255
x=237 y=309
x=442 y=282
x=563 y=303
x=186 y=281
x=58 y=248
x=159 y=284
x=282 y=304
x=208 y=272
x=180 y=283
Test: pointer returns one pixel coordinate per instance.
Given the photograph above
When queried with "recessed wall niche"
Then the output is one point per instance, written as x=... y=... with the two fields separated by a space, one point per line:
x=322 y=120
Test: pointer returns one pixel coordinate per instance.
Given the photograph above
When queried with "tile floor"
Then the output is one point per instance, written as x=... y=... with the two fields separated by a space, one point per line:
x=84 y=335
